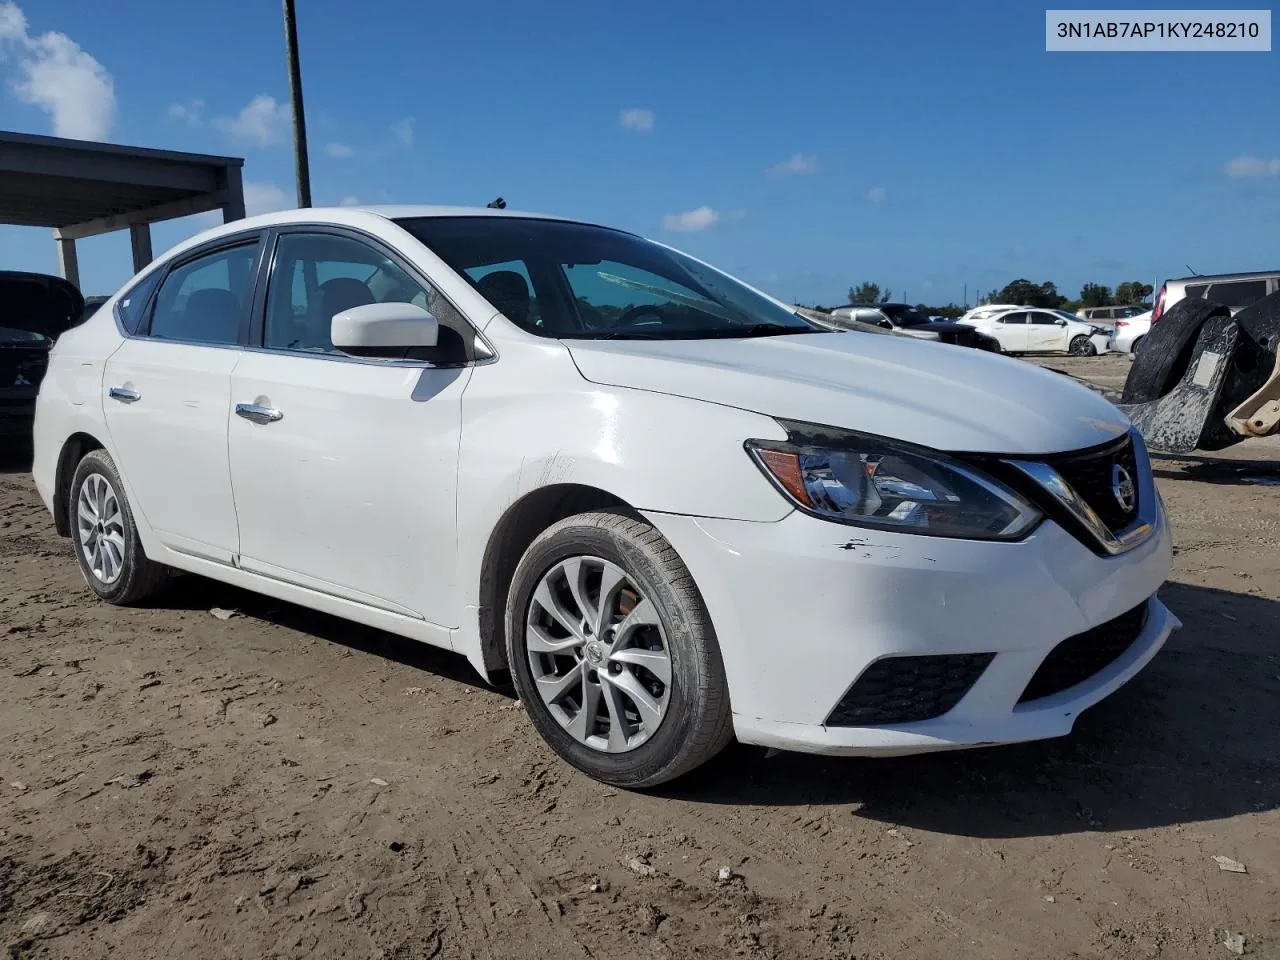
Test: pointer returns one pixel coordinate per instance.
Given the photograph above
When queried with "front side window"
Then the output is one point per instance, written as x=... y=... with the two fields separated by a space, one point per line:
x=204 y=299
x=1044 y=319
x=317 y=275
x=591 y=282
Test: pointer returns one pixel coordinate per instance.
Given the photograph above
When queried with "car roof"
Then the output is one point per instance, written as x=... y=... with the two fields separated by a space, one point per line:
x=357 y=215
x=1254 y=275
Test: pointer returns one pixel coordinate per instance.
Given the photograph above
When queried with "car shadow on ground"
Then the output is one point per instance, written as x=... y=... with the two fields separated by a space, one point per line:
x=15 y=456
x=199 y=593
x=1216 y=470
x=1192 y=738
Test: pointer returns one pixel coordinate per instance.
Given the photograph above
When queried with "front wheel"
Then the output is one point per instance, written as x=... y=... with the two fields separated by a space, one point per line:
x=613 y=653
x=1082 y=346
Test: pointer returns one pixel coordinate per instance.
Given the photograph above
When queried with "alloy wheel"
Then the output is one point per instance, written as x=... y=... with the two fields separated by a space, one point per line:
x=100 y=527
x=598 y=654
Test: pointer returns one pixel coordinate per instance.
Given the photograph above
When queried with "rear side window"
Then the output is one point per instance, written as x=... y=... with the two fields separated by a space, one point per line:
x=1012 y=318
x=1238 y=293
x=205 y=299
x=1196 y=290
x=132 y=307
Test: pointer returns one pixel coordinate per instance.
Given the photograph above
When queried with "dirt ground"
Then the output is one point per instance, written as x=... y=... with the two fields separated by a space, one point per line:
x=284 y=784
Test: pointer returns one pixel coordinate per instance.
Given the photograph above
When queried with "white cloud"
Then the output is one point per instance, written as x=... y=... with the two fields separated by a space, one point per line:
x=691 y=221
x=402 y=130
x=57 y=76
x=877 y=194
x=1253 y=168
x=262 y=122
x=339 y=150
x=260 y=197
x=349 y=201
x=636 y=118
x=798 y=163
x=192 y=112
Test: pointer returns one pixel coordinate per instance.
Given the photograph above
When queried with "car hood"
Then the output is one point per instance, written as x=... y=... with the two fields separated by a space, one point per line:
x=38 y=302
x=913 y=390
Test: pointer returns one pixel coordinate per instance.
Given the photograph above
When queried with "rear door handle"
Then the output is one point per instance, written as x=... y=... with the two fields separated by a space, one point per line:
x=257 y=413
x=124 y=394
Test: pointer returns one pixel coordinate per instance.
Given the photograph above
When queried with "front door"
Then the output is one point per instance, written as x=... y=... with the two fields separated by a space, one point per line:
x=1046 y=332
x=166 y=396
x=345 y=469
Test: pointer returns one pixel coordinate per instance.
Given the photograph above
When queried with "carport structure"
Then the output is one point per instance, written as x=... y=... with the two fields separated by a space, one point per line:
x=83 y=189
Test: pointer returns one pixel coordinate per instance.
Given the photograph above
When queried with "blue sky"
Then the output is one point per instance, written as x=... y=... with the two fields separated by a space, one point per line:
x=803 y=146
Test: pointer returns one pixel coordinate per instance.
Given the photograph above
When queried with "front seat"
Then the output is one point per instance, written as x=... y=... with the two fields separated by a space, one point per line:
x=507 y=291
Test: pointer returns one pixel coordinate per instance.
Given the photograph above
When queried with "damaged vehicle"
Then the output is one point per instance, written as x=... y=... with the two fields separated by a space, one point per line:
x=670 y=509
x=35 y=309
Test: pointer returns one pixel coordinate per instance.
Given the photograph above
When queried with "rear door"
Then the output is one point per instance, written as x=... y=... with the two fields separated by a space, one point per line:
x=1011 y=330
x=167 y=397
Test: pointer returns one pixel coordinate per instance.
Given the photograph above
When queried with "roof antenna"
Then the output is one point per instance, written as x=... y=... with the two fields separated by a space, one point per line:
x=498 y=204
x=1194 y=272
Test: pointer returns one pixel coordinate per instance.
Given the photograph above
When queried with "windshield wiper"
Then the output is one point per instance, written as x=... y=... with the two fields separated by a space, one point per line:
x=765 y=330
x=625 y=334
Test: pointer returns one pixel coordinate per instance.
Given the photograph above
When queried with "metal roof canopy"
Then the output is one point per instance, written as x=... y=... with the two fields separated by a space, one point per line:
x=82 y=189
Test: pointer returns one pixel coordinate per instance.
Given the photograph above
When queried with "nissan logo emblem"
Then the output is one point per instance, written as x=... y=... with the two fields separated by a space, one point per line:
x=1122 y=488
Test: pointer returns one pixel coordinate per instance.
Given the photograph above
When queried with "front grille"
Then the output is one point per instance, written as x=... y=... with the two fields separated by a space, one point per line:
x=908 y=689
x=1091 y=477
x=1078 y=658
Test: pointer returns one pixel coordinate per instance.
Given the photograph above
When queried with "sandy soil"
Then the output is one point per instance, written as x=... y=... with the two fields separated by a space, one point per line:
x=283 y=784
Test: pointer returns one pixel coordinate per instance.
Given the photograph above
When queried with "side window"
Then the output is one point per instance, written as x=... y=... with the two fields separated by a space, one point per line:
x=1240 y=293
x=317 y=275
x=204 y=299
x=1016 y=317
x=1044 y=319
x=1196 y=290
x=132 y=307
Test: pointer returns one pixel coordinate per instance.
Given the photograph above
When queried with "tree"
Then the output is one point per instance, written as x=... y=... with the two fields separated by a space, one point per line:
x=1133 y=292
x=868 y=293
x=1025 y=293
x=1095 y=295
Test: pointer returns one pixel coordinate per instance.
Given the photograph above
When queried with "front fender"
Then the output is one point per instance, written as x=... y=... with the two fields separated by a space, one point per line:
x=530 y=420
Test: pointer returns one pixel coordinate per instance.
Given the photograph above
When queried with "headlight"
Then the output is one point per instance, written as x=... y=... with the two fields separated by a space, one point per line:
x=871 y=482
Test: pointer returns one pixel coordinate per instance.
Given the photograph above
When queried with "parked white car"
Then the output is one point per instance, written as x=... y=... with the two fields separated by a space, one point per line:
x=1129 y=332
x=1043 y=331
x=674 y=510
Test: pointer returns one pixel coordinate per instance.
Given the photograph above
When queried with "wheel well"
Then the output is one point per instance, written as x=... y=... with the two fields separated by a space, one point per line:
x=519 y=526
x=77 y=445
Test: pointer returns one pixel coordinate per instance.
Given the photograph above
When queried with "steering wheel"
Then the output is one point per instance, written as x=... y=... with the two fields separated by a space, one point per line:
x=628 y=319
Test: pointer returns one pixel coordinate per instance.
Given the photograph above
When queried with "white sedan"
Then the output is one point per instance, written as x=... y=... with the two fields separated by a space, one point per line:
x=672 y=509
x=1129 y=333
x=1043 y=331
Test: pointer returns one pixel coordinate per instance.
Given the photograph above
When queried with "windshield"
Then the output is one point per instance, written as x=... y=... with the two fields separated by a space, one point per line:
x=903 y=316
x=571 y=280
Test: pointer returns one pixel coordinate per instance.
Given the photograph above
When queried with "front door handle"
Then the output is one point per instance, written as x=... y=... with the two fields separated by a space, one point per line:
x=258 y=413
x=124 y=394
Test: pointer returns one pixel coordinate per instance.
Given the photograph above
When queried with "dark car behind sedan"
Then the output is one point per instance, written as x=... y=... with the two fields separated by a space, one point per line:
x=905 y=319
x=35 y=309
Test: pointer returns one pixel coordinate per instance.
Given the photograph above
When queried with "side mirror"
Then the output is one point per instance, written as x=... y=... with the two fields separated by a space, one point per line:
x=389 y=331
x=1062 y=323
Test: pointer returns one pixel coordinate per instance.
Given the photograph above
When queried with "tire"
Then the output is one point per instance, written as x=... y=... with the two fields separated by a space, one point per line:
x=1082 y=346
x=121 y=574
x=1167 y=349
x=695 y=723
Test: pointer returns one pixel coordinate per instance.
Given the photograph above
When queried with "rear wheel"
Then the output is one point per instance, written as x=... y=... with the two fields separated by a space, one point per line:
x=1082 y=346
x=613 y=653
x=104 y=536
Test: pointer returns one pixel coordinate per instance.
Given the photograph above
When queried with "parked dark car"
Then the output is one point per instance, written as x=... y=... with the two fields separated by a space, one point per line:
x=35 y=309
x=906 y=319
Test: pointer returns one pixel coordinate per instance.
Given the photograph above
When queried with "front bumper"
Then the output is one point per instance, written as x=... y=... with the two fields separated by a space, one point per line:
x=802 y=607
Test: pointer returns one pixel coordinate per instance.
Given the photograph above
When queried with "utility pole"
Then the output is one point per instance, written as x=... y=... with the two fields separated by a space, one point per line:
x=303 y=172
